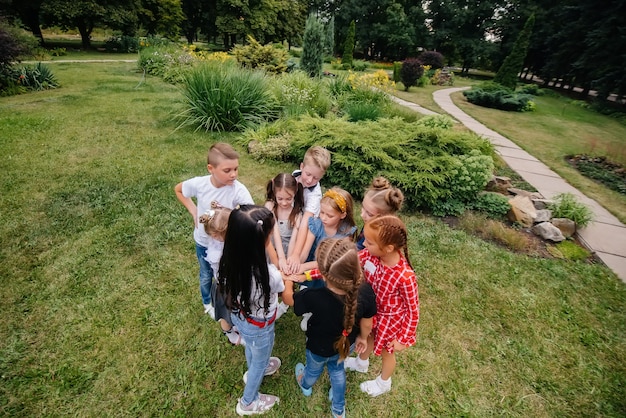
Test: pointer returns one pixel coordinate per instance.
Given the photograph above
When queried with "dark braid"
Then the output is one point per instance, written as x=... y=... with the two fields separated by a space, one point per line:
x=390 y=230
x=338 y=262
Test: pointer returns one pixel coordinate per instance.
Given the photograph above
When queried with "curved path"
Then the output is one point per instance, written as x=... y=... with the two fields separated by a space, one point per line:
x=605 y=236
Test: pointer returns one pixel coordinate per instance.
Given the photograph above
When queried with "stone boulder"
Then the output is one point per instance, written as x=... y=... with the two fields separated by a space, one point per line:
x=548 y=231
x=543 y=215
x=522 y=210
x=566 y=226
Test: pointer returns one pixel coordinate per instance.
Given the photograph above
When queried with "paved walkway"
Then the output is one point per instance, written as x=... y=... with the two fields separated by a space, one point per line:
x=605 y=236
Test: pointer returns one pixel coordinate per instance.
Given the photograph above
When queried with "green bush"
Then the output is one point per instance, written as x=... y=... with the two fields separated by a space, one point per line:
x=499 y=98
x=363 y=104
x=123 y=43
x=169 y=62
x=494 y=205
x=265 y=57
x=225 y=97
x=427 y=164
x=268 y=141
x=357 y=111
x=298 y=93
x=397 y=66
x=410 y=72
x=565 y=205
x=37 y=77
x=436 y=121
x=358 y=65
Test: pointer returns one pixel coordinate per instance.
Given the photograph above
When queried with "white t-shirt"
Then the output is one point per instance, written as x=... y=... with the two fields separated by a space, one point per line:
x=312 y=196
x=214 y=254
x=203 y=190
x=276 y=286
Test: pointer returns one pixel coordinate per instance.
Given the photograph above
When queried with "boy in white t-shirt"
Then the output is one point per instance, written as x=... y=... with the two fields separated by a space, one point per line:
x=222 y=187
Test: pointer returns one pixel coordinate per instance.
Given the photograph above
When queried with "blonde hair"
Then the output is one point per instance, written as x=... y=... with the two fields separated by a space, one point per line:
x=317 y=156
x=390 y=230
x=221 y=151
x=336 y=197
x=216 y=221
x=385 y=197
x=338 y=261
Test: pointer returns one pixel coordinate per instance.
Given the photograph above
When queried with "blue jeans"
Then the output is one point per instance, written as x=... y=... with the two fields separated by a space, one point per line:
x=259 y=345
x=313 y=370
x=206 y=274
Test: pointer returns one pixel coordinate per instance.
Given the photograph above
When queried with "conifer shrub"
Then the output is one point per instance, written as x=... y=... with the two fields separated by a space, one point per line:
x=410 y=72
x=313 y=47
x=264 y=57
x=428 y=165
x=348 y=47
x=496 y=96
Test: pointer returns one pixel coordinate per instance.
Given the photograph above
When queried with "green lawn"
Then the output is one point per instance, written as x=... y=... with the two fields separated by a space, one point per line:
x=101 y=313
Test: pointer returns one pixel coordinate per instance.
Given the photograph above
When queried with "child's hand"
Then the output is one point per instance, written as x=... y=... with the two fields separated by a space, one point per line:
x=395 y=346
x=283 y=266
x=298 y=278
x=360 y=345
x=293 y=263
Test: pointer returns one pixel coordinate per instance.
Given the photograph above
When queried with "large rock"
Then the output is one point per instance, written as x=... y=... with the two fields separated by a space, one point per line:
x=524 y=193
x=543 y=215
x=566 y=226
x=499 y=184
x=548 y=231
x=522 y=210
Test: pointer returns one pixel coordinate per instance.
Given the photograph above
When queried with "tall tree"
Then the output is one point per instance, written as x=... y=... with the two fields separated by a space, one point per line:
x=28 y=12
x=85 y=15
x=162 y=17
x=348 y=46
x=313 y=46
x=460 y=26
x=507 y=75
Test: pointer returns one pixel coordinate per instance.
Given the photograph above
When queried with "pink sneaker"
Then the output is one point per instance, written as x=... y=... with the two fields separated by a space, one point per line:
x=263 y=404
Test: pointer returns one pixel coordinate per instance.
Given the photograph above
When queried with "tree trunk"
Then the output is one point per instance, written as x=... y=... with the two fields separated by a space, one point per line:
x=85 y=35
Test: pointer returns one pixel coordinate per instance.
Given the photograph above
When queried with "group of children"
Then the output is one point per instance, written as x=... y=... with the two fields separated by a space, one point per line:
x=356 y=293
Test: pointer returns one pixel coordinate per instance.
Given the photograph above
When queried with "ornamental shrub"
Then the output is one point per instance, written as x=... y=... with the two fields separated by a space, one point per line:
x=410 y=72
x=313 y=47
x=427 y=164
x=565 y=205
x=297 y=93
x=500 y=98
x=225 y=97
x=348 y=47
x=264 y=57
x=493 y=205
x=432 y=58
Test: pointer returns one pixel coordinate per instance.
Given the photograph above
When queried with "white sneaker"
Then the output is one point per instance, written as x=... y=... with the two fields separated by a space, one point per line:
x=234 y=337
x=304 y=324
x=263 y=404
x=282 y=309
x=209 y=309
x=376 y=387
x=272 y=367
x=356 y=364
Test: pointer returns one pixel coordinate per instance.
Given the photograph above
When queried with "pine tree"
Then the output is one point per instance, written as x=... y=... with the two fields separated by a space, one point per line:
x=512 y=65
x=313 y=47
x=348 y=46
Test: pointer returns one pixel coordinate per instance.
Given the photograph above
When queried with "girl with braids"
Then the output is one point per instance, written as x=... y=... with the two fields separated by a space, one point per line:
x=380 y=199
x=333 y=309
x=387 y=268
x=250 y=286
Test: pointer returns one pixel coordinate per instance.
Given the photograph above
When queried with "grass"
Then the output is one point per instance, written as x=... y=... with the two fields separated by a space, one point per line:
x=556 y=129
x=101 y=313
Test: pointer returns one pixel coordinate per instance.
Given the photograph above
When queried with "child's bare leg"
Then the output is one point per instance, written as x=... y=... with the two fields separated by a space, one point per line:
x=389 y=364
